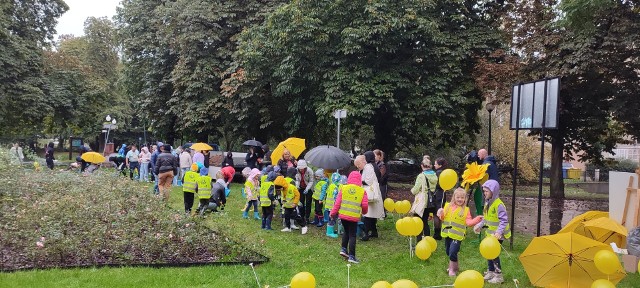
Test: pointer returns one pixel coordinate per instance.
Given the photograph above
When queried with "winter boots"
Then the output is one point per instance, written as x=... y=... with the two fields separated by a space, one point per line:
x=330 y=232
x=453 y=268
x=320 y=221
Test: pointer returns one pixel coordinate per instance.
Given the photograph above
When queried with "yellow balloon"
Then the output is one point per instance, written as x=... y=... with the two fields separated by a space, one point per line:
x=406 y=226
x=423 y=249
x=403 y=206
x=490 y=248
x=606 y=261
x=404 y=283
x=382 y=284
x=469 y=278
x=399 y=227
x=432 y=243
x=303 y=280
x=448 y=179
x=417 y=226
x=602 y=283
x=389 y=204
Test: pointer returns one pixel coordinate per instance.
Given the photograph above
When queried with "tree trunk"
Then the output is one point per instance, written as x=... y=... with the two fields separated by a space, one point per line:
x=557 y=183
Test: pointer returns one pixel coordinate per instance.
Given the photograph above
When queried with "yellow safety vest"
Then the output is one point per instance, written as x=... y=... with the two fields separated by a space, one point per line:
x=290 y=180
x=263 y=179
x=204 y=187
x=288 y=196
x=454 y=225
x=264 y=194
x=317 y=190
x=248 y=186
x=332 y=193
x=351 y=204
x=190 y=182
x=492 y=221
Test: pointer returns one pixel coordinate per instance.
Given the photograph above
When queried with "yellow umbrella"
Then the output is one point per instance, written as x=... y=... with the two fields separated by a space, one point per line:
x=589 y=215
x=564 y=260
x=201 y=147
x=604 y=230
x=93 y=157
x=294 y=145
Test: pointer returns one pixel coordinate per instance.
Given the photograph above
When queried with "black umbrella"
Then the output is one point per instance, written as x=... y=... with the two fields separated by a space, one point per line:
x=252 y=143
x=328 y=157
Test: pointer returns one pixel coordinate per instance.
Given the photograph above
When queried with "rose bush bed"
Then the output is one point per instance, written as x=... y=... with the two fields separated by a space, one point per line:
x=63 y=219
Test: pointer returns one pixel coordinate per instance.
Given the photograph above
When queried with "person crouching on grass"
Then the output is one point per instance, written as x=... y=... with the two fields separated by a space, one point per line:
x=290 y=199
x=456 y=217
x=350 y=205
x=204 y=189
x=190 y=187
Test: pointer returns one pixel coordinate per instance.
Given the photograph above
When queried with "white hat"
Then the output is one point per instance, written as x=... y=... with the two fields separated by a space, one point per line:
x=302 y=164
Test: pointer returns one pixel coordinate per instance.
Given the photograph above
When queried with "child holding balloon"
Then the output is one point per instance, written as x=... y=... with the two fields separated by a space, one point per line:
x=456 y=217
x=497 y=223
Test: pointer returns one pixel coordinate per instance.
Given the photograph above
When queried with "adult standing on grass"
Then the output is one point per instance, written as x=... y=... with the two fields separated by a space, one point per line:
x=132 y=160
x=185 y=162
x=426 y=182
x=48 y=155
x=166 y=167
x=16 y=154
x=155 y=151
x=384 y=176
x=145 y=159
x=304 y=183
x=350 y=204
x=370 y=176
x=440 y=164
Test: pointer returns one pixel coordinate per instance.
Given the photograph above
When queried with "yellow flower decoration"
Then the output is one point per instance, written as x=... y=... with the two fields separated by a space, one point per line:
x=474 y=173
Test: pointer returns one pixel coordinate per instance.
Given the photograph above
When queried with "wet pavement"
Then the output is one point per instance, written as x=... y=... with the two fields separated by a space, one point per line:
x=555 y=213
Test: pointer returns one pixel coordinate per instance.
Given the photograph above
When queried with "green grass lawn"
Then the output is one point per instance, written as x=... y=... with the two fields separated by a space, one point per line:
x=385 y=258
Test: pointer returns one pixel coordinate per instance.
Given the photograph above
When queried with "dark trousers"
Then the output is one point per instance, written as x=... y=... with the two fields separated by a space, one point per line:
x=349 y=236
x=50 y=163
x=426 y=230
x=133 y=166
x=370 y=226
x=494 y=265
x=452 y=247
x=267 y=212
x=188 y=201
x=317 y=208
x=253 y=203
x=306 y=200
x=288 y=213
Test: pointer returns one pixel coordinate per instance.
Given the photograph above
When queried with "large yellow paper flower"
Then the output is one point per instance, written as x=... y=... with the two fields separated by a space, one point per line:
x=474 y=173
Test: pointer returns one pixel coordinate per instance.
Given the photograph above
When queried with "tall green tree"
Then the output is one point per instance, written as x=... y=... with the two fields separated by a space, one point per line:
x=176 y=55
x=593 y=47
x=402 y=67
x=26 y=28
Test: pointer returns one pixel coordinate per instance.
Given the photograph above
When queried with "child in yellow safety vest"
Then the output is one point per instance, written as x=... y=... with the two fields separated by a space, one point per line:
x=332 y=193
x=252 y=192
x=456 y=217
x=319 y=195
x=290 y=200
x=267 y=199
x=350 y=205
x=497 y=222
x=190 y=187
x=204 y=190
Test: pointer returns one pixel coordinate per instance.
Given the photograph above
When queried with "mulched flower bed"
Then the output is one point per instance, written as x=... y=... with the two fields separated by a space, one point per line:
x=61 y=219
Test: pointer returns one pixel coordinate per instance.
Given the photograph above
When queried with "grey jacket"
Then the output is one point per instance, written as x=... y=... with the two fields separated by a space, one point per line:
x=308 y=179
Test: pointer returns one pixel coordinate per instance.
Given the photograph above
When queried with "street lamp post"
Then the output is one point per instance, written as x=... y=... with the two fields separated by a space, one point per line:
x=106 y=138
x=339 y=114
x=489 y=108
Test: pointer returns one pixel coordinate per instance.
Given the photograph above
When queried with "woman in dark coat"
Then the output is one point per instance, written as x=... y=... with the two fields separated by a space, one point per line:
x=48 y=155
x=440 y=164
x=228 y=161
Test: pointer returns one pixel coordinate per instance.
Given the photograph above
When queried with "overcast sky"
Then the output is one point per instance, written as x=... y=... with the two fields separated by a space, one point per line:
x=72 y=22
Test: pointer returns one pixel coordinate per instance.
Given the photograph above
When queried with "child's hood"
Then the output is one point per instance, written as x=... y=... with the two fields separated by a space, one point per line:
x=494 y=186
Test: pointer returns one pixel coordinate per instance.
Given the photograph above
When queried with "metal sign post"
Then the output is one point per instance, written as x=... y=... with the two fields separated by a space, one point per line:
x=338 y=114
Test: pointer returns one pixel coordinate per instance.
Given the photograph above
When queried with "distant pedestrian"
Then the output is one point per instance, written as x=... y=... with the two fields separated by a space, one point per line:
x=228 y=160
x=166 y=167
x=17 y=157
x=132 y=160
x=48 y=155
x=145 y=159
x=252 y=158
x=185 y=162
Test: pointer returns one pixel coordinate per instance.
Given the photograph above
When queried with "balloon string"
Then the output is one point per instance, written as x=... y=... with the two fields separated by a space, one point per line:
x=505 y=250
x=348 y=275
x=254 y=274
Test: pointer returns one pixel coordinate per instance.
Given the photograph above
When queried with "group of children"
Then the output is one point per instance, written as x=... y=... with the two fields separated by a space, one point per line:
x=456 y=218
x=270 y=188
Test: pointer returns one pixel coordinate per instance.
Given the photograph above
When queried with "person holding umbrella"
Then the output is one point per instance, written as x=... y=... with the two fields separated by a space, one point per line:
x=252 y=157
x=287 y=160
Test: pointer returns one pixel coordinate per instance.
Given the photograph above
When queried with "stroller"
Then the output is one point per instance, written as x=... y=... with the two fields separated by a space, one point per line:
x=119 y=163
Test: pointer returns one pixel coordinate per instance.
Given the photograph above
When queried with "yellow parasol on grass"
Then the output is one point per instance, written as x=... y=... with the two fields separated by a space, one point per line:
x=589 y=215
x=93 y=157
x=201 y=147
x=295 y=145
x=605 y=230
x=565 y=260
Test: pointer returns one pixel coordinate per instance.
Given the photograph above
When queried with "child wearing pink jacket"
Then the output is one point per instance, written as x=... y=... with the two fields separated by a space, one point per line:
x=351 y=203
